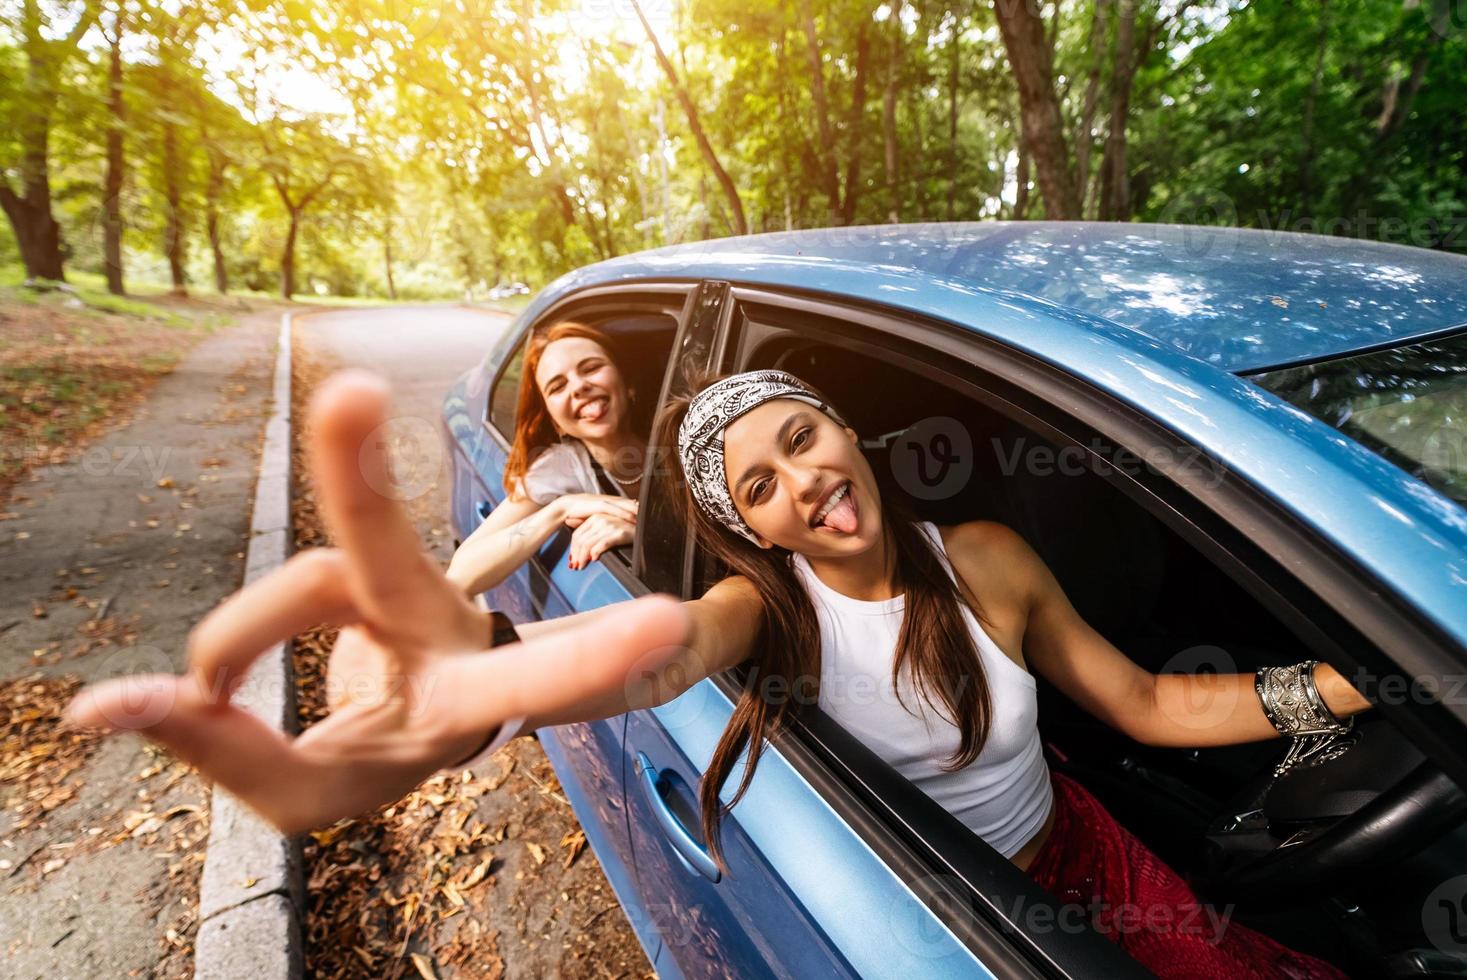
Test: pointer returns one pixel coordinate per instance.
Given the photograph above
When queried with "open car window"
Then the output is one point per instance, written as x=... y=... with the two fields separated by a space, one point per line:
x=642 y=323
x=1146 y=564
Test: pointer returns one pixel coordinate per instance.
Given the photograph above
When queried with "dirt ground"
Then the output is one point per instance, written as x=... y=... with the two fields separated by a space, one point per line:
x=487 y=875
x=131 y=446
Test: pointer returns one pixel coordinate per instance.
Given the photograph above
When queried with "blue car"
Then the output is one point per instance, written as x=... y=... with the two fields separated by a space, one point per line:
x=1234 y=449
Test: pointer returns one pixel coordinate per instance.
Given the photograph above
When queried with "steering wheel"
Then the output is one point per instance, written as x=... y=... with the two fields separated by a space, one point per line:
x=1373 y=801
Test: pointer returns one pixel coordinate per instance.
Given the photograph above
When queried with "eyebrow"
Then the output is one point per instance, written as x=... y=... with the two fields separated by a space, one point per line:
x=779 y=439
x=588 y=357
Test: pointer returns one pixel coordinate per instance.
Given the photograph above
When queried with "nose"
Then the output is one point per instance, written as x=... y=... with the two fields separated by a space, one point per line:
x=806 y=481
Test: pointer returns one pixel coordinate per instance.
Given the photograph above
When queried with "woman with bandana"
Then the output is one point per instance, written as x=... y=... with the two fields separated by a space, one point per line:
x=831 y=581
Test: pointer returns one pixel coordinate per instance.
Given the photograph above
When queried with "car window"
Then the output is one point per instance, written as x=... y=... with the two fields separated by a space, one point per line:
x=1407 y=403
x=642 y=328
x=661 y=537
x=940 y=441
x=502 y=399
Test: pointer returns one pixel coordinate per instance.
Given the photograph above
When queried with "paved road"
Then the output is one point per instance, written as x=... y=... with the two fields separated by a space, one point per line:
x=421 y=350
x=106 y=565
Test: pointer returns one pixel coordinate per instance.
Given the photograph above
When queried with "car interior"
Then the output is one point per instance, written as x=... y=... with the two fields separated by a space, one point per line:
x=1168 y=607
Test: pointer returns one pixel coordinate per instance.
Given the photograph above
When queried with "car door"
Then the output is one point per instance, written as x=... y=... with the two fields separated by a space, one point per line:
x=587 y=757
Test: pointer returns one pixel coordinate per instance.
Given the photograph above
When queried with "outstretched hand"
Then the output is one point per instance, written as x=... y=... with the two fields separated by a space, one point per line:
x=410 y=684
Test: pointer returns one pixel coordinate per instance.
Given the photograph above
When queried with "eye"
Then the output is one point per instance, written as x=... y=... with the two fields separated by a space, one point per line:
x=800 y=438
x=757 y=490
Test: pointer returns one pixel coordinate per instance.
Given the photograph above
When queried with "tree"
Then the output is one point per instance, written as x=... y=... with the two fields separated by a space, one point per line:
x=37 y=232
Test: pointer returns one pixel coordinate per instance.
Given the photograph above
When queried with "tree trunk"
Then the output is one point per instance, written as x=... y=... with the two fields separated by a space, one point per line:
x=1115 y=203
x=1021 y=176
x=888 y=119
x=287 y=258
x=1083 y=136
x=36 y=232
x=112 y=179
x=216 y=247
x=829 y=176
x=852 y=192
x=735 y=204
x=1030 y=58
x=173 y=232
x=952 y=124
x=387 y=260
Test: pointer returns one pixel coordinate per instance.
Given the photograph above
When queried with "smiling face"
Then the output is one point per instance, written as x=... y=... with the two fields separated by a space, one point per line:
x=800 y=482
x=582 y=388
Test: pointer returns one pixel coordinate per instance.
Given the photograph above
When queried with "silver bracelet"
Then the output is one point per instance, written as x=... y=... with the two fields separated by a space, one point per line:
x=1292 y=703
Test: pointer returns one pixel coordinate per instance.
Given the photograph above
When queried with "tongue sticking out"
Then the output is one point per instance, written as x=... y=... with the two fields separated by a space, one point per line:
x=842 y=516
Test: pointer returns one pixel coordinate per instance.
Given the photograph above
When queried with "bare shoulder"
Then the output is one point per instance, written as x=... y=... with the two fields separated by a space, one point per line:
x=990 y=556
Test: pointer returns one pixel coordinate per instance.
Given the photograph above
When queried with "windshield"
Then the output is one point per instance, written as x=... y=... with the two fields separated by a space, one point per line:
x=1409 y=404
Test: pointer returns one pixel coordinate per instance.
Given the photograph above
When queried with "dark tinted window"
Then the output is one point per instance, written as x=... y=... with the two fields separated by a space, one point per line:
x=1409 y=404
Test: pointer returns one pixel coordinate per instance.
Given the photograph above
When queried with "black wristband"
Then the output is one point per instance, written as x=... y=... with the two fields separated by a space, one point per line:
x=502 y=631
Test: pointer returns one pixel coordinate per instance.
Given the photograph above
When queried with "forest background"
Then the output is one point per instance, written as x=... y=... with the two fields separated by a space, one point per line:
x=441 y=149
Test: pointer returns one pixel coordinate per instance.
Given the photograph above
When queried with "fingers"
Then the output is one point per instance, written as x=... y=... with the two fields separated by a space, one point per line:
x=227 y=744
x=308 y=590
x=349 y=461
x=593 y=537
x=578 y=673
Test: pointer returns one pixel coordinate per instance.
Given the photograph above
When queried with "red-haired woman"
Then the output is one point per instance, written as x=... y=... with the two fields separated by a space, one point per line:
x=575 y=461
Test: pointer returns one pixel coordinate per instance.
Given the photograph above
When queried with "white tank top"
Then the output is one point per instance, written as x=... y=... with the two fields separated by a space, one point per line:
x=1004 y=795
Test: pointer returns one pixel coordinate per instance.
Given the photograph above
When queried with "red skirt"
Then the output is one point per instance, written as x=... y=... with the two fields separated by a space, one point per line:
x=1132 y=897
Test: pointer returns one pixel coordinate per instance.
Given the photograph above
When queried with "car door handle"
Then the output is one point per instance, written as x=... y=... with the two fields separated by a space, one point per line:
x=683 y=842
x=483 y=507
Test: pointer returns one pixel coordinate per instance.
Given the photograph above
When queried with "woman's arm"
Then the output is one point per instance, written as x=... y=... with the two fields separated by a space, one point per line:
x=411 y=688
x=517 y=529
x=724 y=627
x=510 y=536
x=1188 y=710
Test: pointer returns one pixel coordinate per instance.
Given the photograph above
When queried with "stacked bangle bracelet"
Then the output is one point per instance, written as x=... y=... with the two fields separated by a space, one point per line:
x=1292 y=703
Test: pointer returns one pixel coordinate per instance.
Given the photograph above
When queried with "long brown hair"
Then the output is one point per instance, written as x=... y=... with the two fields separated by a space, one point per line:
x=534 y=432
x=934 y=646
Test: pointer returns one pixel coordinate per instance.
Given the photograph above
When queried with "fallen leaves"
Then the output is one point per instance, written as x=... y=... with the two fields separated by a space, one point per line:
x=40 y=757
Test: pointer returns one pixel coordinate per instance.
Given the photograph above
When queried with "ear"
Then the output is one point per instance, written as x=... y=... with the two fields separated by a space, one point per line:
x=851 y=435
x=762 y=541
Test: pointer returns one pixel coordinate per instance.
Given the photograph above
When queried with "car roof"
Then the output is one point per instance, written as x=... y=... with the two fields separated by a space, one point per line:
x=1239 y=299
x=1162 y=325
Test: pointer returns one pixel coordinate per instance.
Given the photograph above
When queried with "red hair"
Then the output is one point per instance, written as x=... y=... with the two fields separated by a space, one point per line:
x=533 y=430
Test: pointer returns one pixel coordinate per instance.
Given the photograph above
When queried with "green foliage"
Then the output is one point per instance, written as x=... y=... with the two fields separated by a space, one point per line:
x=485 y=142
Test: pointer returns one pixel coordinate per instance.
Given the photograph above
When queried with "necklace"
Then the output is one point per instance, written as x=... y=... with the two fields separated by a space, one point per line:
x=624 y=483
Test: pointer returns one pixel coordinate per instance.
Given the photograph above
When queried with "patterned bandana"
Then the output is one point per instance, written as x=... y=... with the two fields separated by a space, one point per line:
x=700 y=437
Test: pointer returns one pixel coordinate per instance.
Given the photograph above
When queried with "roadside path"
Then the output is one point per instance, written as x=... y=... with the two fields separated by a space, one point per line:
x=106 y=563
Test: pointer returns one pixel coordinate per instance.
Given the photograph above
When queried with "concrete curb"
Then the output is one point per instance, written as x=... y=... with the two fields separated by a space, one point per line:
x=252 y=893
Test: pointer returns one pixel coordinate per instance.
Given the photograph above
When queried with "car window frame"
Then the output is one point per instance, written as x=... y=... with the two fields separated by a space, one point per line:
x=676 y=297
x=1239 y=529
x=1233 y=524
